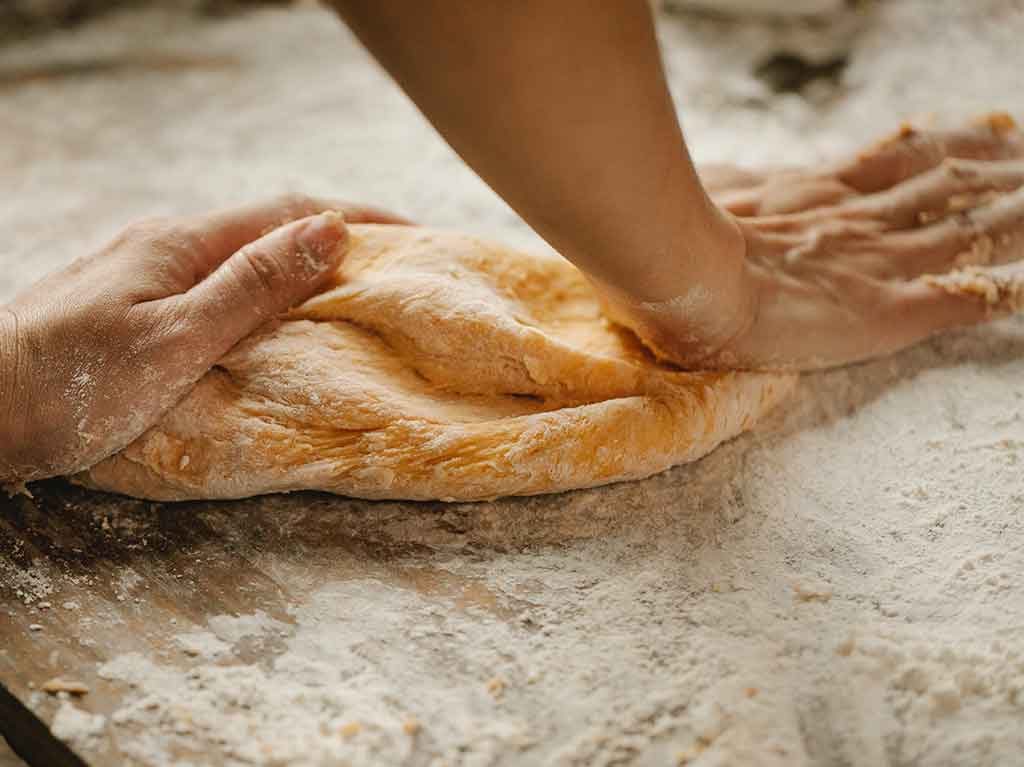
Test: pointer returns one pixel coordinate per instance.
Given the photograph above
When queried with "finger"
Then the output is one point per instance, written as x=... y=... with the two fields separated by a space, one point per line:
x=932 y=304
x=952 y=186
x=265 y=278
x=911 y=151
x=802 y=196
x=734 y=189
x=722 y=177
x=990 y=234
x=221 y=234
x=368 y=214
x=743 y=203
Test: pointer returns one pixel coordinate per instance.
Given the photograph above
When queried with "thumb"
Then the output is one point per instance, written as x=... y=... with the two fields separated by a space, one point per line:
x=269 y=276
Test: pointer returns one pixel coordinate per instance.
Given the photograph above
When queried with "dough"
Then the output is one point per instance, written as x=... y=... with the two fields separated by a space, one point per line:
x=437 y=366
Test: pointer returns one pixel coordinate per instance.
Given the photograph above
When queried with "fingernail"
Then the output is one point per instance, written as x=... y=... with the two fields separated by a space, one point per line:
x=322 y=235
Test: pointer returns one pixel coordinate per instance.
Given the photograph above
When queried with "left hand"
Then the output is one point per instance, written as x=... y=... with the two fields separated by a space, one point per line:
x=97 y=352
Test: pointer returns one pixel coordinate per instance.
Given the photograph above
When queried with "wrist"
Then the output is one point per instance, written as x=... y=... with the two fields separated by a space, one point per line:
x=701 y=271
x=705 y=250
x=703 y=299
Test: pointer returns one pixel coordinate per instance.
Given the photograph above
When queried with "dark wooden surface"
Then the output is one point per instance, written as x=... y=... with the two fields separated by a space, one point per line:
x=99 y=575
x=7 y=757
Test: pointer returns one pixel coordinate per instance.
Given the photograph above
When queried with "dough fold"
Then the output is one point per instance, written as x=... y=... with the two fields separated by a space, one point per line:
x=436 y=366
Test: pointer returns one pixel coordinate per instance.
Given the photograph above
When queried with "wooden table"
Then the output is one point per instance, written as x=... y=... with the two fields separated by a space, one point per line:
x=86 y=577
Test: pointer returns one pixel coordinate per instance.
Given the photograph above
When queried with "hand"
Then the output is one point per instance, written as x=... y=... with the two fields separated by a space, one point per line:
x=95 y=353
x=914 y=236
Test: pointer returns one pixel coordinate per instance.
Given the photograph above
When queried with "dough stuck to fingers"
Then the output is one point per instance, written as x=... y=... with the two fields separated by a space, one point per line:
x=438 y=366
x=1000 y=288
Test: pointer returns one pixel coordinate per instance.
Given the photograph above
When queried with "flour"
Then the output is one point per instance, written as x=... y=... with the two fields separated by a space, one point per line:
x=1001 y=289
x=202 y=644
x=696 y=298
x=30 y=584
x=77 y=726
x=324 y=699
x=234 y=628
x=657 y=622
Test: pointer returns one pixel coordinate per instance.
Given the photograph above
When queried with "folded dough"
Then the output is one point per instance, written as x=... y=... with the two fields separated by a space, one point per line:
x=437 y=366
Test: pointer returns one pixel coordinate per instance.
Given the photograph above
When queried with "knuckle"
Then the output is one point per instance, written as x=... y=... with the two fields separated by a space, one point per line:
x=295 y=204
x=959 y=169
x=836 y=234
x=168 y=236
x=923 y=149
x=964 y=222
x=187 y=238
x=148 y=231
x=166 y=329
x=180 y=333
x=264 y=271
x=152 y=334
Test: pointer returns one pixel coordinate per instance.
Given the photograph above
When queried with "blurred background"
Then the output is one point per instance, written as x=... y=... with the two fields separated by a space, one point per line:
x=20 y=18
x=24 y=17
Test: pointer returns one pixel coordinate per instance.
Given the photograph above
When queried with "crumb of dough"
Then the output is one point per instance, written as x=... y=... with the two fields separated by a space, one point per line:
x=999 y=291
x=411 y=726
x=69 y=686
x=351 y=729
x=812 y=592
x=692 y=753
x=846 y=647
x=945 y=699
x=1000 y=123
x=496 y=687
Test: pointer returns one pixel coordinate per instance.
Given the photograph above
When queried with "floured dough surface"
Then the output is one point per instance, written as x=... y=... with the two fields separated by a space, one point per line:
x=438 y=366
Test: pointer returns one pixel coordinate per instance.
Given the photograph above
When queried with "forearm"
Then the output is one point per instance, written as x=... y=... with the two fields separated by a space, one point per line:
x=562 y=107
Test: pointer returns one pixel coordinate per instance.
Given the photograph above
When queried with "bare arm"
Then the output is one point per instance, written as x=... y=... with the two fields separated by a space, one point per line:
x=562 y=107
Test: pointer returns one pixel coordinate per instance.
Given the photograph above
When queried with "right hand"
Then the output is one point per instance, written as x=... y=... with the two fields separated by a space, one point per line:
x=916 y=235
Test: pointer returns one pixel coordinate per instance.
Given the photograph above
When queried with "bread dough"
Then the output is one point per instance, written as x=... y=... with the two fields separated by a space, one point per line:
x=437 y=366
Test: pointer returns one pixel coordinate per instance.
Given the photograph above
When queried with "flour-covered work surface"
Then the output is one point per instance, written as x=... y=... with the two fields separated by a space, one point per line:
x=841 y=586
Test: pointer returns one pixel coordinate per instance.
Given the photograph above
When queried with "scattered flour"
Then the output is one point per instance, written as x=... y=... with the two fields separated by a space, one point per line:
x=329 y=696
x=74 y=725
x=202 y=644
x=29 y=585
x=234 y=628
